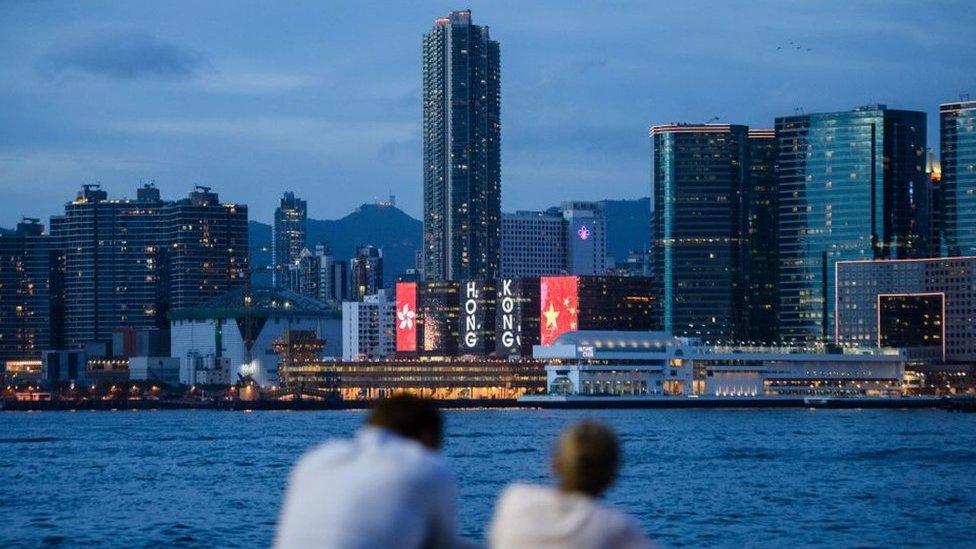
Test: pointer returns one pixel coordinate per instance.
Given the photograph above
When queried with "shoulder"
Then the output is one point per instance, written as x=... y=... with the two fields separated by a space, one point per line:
x=625 y=530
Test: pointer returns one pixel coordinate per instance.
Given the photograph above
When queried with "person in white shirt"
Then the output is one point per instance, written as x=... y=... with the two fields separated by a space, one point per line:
x=572 y=514
x=387 y=487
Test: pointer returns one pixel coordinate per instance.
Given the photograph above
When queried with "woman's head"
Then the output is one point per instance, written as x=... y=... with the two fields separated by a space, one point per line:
x=587 y=458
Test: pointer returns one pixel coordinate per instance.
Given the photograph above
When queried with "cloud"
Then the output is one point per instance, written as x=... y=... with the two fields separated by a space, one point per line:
x=125 y=55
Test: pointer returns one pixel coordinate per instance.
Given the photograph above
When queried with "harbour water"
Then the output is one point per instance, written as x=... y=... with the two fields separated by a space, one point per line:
x=693 y=477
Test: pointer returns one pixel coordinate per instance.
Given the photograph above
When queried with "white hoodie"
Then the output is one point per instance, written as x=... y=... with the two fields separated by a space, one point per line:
x=541 y=517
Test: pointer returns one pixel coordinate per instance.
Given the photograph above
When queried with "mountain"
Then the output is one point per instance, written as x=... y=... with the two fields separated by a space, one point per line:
x=628 y=226
x=386 y=227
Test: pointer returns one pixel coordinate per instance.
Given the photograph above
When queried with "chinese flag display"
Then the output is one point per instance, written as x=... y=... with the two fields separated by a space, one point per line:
x=559 y=302
x=406 y=317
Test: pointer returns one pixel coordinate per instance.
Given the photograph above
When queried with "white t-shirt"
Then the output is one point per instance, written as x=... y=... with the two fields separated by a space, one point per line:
x=541 y=517
x=376 y=490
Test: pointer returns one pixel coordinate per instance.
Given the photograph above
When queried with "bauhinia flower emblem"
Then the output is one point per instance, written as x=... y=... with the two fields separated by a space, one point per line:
x=406 y=316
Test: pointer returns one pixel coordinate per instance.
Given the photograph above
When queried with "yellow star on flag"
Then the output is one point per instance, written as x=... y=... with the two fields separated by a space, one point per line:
x=551 y=315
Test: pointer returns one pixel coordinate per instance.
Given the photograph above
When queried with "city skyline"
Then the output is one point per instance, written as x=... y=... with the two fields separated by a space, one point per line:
x=200 y=105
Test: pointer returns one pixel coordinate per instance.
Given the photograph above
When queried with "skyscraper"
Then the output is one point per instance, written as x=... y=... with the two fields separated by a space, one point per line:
x=128 y=262
x=462 y=157
x=958 y=135
x=115 y=263
x=849 y=188
x=31 y=275
x=700 y=174
x=289 y=236
x=207 y=243
x=761 y=237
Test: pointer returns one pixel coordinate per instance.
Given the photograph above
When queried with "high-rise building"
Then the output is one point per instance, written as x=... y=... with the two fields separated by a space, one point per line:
x=115 y=255
x=958 y=136
x=533 y=243
x=461 y=150
x=207 y=243
x=586 y=238
x=760 y=270
x=31 y=304
x=127 y=263
x=700 y=176
x=850 y=188
x=305 y=275
x=366 y=272
x=289 y=236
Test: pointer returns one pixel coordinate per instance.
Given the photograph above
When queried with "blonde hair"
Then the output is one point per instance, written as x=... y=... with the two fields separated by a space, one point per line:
x=587 y=458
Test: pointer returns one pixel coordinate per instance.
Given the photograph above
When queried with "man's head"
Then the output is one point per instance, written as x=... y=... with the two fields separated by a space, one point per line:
x=410 y=417
x=587 y=458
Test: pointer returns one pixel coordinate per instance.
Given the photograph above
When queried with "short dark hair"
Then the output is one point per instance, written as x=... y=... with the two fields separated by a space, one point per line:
x=587 y=458
x=408 y=416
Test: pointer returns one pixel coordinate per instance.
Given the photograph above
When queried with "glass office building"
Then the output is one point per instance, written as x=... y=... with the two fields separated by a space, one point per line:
x=850 y=188
x=462 y=154
x=958 y=135
x=713 y=231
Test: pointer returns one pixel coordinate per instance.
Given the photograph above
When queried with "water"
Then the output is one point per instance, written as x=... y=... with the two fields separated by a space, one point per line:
x=693 y=477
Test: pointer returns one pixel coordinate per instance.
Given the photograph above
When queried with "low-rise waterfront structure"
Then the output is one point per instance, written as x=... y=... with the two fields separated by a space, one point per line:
x=595 y=363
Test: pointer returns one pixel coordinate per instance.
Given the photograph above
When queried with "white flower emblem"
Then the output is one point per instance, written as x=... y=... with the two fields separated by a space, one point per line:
x=405 y=317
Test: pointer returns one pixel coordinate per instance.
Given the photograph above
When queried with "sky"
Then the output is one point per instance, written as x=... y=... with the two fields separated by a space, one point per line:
x=323 y=98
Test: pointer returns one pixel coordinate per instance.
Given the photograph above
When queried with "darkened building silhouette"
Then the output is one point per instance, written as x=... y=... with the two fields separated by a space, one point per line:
x=366 y=272
x=461 y=150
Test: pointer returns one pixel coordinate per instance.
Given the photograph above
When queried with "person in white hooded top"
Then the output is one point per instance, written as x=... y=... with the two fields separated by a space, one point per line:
x=572 y=514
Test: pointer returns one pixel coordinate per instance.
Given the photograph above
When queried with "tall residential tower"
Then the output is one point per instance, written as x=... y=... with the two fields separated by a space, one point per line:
x=462 y=155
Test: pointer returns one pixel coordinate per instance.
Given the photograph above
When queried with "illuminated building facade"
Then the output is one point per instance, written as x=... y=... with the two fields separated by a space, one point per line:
x=446 y=378
x=516 y=316
x=571 y=303
x=461 y=150
x=31 y=300
x=289 y=234
x=438 y=317
x=958 y=137
x=476 y=317
x=851 y=187
x=925 y=305
x=713 y=230
x=657 y=364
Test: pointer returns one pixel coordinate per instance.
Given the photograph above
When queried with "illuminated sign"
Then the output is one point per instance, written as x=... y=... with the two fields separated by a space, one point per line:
x=406 y=317
x=477 y=304
x=559 y=307
x=583 y=232
x=508 y=326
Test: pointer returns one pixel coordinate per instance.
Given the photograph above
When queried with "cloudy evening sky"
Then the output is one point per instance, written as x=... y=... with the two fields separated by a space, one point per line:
x=255 y=98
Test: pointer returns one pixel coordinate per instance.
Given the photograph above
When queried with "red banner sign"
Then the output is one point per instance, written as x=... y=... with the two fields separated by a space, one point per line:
x=406 y=317
x=559 y=302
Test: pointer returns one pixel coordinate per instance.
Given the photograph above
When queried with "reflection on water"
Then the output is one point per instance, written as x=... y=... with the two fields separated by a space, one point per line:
x=693 y=477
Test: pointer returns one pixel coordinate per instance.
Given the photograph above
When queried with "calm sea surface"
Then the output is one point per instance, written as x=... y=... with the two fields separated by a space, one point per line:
x=693 y=477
